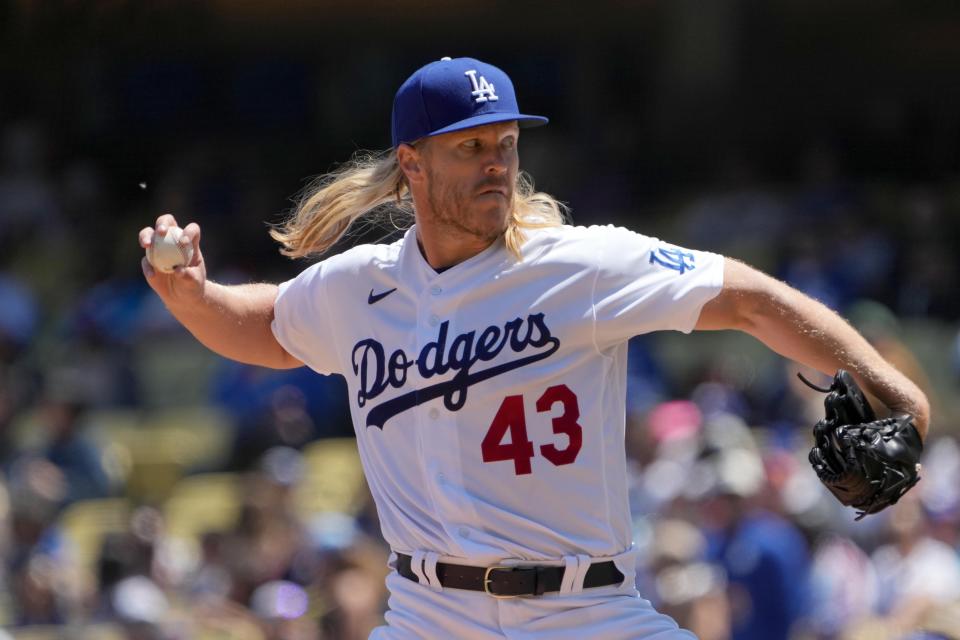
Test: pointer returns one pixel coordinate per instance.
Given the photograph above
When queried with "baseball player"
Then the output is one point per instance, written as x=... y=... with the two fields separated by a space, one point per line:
x=485 y=356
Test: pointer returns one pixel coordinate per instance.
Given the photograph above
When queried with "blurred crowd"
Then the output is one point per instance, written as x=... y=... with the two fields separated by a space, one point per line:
x=738 y=539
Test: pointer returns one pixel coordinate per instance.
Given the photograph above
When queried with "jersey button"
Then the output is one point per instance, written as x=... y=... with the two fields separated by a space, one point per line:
x=435 y=290
x=463 y=532
x=434 y=321
x=434 y=413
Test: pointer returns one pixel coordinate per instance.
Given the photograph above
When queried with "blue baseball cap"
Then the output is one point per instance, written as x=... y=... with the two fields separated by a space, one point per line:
x=453 y=94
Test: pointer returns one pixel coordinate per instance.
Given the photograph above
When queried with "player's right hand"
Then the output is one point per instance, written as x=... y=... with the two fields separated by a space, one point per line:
x=185 y=284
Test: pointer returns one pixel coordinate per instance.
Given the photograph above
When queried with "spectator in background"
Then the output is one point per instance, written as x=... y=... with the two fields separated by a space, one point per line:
x=37 y=550
x=36 y=592
x=13 y=393
x=646 y=379
x=122 y=556
x=278 y=408
x=940 y=490
x=843 y=587
x=18 y=316
x=63 y=408
x=282 y=606
x=681 y=583
x=764 y=555
x=268 y=537
x=356 y=596
x=142 y=609
x=914 y=571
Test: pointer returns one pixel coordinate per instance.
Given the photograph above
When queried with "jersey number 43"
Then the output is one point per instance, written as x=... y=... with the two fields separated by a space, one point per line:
x=512 y=418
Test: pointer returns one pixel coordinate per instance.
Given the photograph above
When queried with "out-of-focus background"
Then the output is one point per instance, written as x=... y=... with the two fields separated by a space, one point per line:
x=149 y=489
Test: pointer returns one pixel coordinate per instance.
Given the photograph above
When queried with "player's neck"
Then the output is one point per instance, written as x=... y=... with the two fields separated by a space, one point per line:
x=442 y=249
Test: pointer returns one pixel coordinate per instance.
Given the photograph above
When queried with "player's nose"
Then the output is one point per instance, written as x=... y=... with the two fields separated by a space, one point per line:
x=495 y=163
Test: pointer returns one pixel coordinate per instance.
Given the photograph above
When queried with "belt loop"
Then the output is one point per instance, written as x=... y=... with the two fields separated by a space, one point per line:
x=569 y=574
x=416 y=565
x=430 y=570
x=583 y=565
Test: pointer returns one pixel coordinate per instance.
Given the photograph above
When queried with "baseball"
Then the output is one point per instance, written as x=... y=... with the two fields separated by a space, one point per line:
x=166 y=252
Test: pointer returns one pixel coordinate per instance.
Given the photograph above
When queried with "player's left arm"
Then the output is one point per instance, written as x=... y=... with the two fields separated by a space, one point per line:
x=802 y=329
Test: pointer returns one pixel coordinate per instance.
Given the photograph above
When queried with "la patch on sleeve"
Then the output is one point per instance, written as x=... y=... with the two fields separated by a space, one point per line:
x=671 y=257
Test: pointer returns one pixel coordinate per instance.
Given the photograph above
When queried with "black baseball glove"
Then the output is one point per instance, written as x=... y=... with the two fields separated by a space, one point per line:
x=866 y=463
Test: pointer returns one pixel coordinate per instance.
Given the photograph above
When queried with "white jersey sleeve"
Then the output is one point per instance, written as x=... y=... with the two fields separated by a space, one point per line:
x=644 y=284
x=302 y=322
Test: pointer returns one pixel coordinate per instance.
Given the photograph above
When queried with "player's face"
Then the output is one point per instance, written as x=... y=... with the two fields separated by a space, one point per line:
x=470 y=178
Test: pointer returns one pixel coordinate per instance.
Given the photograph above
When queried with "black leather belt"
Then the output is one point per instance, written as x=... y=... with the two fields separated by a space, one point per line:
x=509 y=582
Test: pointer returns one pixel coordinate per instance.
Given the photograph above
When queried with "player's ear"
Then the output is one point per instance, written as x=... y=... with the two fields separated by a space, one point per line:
x=411 y=162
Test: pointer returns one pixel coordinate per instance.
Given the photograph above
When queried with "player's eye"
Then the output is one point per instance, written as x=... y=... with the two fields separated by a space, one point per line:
x=472 y=143
x=509 y=142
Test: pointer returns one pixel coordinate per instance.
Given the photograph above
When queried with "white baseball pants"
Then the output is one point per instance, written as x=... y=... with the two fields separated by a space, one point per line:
x=419 y=611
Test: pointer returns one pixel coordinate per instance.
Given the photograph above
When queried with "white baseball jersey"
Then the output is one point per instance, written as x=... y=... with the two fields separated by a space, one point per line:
x=489 y=399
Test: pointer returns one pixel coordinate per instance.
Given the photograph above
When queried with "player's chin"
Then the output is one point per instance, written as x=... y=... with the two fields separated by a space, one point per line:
x=492 y=208
x=492 y=219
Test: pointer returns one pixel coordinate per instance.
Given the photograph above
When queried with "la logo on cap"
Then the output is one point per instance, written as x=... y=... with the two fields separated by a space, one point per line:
x=451 y=95
x=482 y=90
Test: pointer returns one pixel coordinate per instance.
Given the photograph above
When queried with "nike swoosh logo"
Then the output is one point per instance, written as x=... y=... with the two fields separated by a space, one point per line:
x=380 y=296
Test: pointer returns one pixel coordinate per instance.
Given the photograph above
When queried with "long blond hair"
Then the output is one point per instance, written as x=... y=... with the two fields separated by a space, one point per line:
x=372 y=185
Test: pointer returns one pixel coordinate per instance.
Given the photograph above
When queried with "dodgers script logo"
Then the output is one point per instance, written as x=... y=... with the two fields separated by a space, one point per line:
x=482 y=91
x=376 y=371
